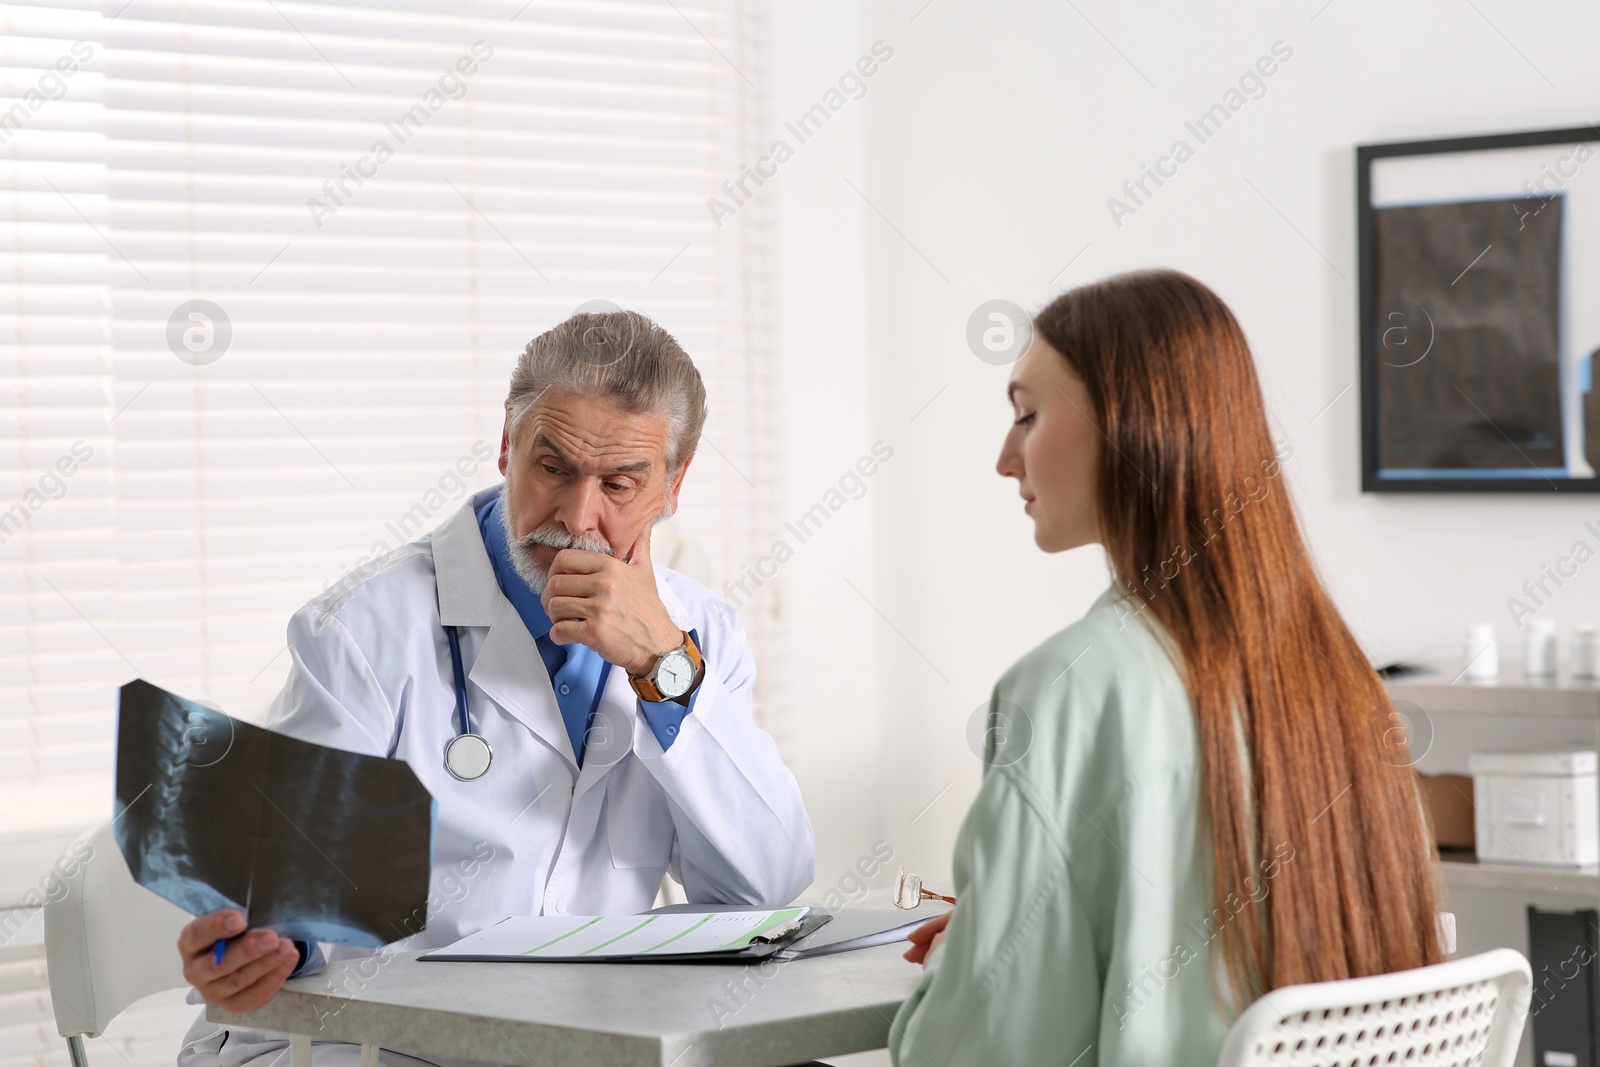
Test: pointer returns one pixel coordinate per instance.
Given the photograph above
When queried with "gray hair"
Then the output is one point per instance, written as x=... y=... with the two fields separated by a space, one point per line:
x=623 y=357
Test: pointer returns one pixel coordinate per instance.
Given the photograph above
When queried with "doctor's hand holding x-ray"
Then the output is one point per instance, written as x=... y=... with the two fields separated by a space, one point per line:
x=610 y=697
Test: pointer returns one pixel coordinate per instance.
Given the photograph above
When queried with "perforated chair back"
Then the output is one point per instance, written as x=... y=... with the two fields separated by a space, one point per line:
x=1464 y=1013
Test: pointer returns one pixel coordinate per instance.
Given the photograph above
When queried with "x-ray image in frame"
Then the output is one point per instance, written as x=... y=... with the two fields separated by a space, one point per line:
x=1480 y=272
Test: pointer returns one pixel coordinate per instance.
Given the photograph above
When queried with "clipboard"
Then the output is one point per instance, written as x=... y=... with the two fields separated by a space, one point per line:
x=805 y=927
x=502 y=943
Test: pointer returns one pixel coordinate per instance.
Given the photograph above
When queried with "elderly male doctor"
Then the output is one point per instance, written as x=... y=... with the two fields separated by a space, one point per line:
x=609 y=736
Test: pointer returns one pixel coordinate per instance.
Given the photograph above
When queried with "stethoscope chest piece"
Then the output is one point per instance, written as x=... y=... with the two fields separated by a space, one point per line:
x=467 y=757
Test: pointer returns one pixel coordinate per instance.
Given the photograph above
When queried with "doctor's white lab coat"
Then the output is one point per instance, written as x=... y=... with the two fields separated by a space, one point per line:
x=371 y=672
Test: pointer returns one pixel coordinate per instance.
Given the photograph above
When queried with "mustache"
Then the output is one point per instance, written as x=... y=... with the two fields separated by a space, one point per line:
x=554 y=536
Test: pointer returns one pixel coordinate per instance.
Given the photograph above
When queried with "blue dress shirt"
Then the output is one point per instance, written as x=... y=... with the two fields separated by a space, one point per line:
x=577 y=672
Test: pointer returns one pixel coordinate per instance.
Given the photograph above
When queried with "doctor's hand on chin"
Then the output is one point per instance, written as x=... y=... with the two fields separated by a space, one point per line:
x=611 y=606
x=253 y=968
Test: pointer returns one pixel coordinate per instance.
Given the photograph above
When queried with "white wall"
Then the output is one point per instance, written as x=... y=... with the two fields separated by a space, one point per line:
x=830 y=732
x=992 y=141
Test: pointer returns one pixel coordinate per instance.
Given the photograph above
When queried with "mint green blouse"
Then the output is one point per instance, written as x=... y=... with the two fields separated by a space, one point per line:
x=1084 y=930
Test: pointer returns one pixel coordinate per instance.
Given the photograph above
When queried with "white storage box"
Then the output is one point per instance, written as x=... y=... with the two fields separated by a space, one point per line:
x=1537 y=807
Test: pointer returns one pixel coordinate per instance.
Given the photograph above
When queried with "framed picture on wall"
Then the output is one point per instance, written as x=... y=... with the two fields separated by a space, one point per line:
x=1480 y=313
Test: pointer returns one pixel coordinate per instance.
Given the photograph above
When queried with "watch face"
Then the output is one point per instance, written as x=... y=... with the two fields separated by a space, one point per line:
x=675 y=675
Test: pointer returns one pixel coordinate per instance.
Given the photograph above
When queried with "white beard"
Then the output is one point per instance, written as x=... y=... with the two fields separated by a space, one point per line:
x=551 y=535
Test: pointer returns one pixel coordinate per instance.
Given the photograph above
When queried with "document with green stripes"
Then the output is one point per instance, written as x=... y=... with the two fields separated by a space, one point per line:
x=678 y=936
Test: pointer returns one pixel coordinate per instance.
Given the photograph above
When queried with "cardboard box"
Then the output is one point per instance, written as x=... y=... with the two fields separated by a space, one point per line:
x=1448 y=800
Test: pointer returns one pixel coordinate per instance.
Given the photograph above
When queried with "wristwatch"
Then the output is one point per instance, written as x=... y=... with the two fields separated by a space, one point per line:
x=676 y=674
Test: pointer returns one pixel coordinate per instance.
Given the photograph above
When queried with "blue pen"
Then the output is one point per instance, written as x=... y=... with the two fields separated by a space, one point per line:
x=218 y=949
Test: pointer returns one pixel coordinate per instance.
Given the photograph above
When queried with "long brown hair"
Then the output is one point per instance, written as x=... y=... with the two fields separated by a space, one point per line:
x=1312 y=802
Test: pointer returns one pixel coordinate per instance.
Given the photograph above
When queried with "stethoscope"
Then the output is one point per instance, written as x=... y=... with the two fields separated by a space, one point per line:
x=467 y=755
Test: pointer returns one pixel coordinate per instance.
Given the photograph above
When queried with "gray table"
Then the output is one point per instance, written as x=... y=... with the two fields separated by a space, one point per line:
x=598 y=1014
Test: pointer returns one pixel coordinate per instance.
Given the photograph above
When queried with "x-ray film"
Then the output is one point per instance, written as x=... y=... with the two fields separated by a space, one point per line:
x=313 y=842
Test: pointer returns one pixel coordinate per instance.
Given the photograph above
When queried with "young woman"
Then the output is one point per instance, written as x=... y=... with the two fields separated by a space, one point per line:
x=1198 y=792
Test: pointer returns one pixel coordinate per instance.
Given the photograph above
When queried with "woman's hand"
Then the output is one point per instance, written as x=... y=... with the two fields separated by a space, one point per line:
x=927 y=937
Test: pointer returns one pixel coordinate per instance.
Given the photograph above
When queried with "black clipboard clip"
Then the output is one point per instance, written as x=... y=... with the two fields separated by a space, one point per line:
x=778 y=934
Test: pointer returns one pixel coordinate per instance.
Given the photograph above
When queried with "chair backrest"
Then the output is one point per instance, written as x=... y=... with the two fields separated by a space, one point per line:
x=108 y=940
x=1463 y=1013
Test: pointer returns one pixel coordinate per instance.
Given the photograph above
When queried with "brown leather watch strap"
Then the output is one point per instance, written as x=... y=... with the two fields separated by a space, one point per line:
x=646 y=687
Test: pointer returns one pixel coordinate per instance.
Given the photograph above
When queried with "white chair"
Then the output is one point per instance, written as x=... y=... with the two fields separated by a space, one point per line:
x=1464 y=1013
x=108 y=940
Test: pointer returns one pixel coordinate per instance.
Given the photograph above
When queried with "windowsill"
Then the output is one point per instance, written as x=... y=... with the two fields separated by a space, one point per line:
x=37 y=825
x=20 y=927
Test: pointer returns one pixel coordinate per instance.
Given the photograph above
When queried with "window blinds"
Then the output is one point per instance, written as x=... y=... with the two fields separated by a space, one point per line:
x=57 y=497
x=267 y=265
